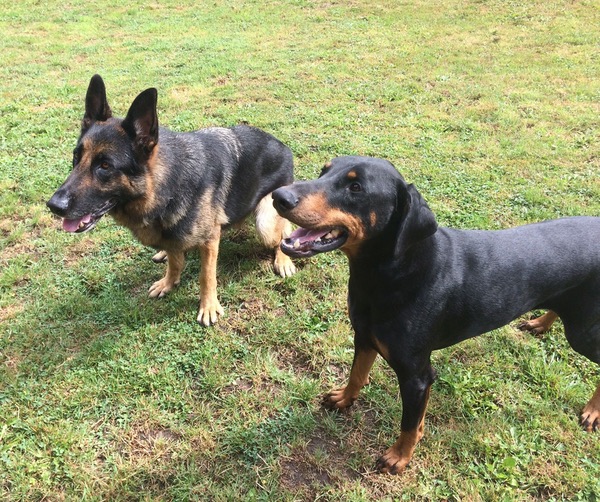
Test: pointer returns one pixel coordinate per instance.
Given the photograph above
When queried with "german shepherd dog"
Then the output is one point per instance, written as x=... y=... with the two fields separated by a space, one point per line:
x=415 y=287
x=174 y=191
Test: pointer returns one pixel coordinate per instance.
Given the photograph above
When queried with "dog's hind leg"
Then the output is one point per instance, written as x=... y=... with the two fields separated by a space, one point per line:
x=540 y=324
x=586 y=341
x=590 y=417
x=271 y=229
x=160 y=257
x=175 y=262
x=359 y=377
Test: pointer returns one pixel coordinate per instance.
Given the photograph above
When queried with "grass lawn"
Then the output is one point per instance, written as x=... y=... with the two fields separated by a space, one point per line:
x=492 y=108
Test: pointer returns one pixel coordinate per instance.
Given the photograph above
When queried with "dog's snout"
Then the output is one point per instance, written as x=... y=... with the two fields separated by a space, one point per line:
x=284 y=199
x=59 y=203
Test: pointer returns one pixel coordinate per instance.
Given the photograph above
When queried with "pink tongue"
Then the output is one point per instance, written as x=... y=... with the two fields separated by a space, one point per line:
x=307 y=235
x=73 y=225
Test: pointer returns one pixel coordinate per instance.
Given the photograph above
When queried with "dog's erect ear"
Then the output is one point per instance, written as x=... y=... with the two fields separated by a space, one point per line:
x=417 y=221
x=96 y=105
x=141 y=122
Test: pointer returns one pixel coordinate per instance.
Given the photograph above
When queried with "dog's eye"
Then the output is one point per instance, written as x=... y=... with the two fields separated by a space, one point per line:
x=104 y=165
x=355 y=187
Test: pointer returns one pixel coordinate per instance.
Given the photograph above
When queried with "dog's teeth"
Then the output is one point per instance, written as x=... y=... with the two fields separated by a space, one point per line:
x=328 y=236
x=334 y=233
x=296 y=243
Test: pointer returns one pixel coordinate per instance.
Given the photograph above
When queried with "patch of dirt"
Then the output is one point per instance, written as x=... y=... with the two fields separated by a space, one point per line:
x=31 y=228
x=304 y=477
x=257 y=386
x=10 y=311
x=78 y=250
x=324 y=460
x=250 y=308
x=148 y=442
x=318 y=465
x=11 y=362
x=289 y=359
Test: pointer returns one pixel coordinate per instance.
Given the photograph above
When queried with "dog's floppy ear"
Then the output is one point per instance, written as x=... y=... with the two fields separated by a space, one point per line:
x=417 y=221
x=141 y=122
x=96 y=105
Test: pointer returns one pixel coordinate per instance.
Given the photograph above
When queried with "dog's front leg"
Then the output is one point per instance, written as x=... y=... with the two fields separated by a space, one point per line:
x=415 y=394
x=210 y=308
x=175 y=262
x=343 y=397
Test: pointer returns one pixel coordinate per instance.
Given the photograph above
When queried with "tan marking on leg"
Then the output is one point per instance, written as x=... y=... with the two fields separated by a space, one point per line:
x=396 y=457
x=271 y=229
x=175 y=262
x=590 y=417
x=359 y=377
x=382 y=349
x=210 y=308
x=540 y=324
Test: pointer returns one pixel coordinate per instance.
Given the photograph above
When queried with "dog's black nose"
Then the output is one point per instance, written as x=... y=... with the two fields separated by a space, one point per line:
x=284 y=199
x=59 y=203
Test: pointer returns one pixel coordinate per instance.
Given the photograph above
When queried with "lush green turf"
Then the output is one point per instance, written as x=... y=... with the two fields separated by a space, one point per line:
x=490 y=107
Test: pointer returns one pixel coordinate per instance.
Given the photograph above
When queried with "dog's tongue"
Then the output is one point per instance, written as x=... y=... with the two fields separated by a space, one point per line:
x=73 y=225
x=305 y=235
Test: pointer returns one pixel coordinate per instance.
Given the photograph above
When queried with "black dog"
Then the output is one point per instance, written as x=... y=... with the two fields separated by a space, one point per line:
x=415 y=288
x=177 y=193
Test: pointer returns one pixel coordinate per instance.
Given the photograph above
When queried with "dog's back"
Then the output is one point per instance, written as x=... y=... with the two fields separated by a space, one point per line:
x=235 y=167
x=547 y=264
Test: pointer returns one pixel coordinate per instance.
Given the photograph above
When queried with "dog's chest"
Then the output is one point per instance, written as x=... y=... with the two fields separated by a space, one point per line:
x=148 y=233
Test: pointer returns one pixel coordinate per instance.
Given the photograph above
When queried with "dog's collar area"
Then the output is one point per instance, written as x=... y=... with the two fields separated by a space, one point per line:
x=303 y=242
x=87 y=222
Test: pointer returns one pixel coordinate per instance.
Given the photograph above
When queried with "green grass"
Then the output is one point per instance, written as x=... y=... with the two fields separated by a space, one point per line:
x=491 y=108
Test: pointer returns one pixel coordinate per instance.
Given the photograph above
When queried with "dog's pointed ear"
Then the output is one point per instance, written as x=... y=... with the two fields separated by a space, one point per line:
x=417 y=221
x=96 y=105
x=141 y=122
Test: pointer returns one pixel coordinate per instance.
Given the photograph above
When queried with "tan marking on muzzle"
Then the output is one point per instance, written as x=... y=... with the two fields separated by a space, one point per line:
x=313 y=211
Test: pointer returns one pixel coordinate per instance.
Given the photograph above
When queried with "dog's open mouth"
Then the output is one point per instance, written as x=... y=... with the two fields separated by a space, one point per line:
x=303 y=243
x=87 y=222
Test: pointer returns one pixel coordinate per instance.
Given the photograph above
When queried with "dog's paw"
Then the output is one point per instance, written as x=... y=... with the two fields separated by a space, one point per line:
x=532 y=326
x=209 y=312
x=539 y=325
x=391 y=463
x=590 y=418
x=161 y=288
x=338 y=399
x=283 y=265
x=160 y=257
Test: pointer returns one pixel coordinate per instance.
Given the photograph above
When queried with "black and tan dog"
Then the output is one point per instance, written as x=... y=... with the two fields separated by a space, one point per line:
x=174 y=191
x=415 y=288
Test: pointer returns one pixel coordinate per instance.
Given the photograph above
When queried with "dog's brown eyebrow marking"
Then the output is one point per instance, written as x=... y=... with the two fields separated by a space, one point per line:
x=352 y=175
x=86 y=153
